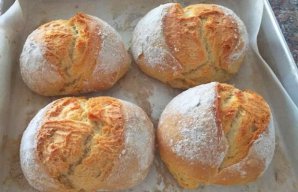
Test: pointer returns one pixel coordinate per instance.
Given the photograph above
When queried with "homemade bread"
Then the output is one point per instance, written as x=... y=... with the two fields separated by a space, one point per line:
x=216 y=134
x=184 y=47
x=79 y=55
x=75 y=144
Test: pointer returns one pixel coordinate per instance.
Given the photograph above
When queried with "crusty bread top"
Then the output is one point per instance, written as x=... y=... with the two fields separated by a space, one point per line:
x=188 y=46
x=80 y=137
x=243 y=116
x=73 y=56
x=202 y=34
x=75 y=144
x=70 y=47
x=78 y=38
x=215 y=133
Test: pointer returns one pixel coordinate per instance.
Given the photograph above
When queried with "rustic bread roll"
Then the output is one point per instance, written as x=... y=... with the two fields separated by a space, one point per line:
x=184 y=47
x=216 y=134
x=75 y=144
x=79 y=55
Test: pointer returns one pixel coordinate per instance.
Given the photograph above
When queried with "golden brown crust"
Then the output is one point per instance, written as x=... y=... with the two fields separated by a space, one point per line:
x=78 y=38
x=235 y=122
x=202 y=42
x=244 y=115
x=71 y=47
x=80 y=137
x=183 y=37
x=248 y=171
x=202 y=37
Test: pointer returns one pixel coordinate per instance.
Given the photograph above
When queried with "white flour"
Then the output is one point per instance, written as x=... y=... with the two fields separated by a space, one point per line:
x=139 y=145
x=150 y=42
x=198 y=128
x=111 y=55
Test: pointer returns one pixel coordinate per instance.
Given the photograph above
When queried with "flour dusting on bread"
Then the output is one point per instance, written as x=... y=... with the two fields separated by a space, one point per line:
x=198 y=127
x=149 y=42
x=78 y=144
x=79 y=55
x=215 y=133
x=111 y=57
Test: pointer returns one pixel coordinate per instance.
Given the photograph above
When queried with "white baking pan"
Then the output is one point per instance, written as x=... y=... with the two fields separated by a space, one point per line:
x=18 y=104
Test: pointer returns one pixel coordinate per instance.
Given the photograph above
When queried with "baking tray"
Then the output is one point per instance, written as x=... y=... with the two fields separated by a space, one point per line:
x=275 y=51
x=18 y=104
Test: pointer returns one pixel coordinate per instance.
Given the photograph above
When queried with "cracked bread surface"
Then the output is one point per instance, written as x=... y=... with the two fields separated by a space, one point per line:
x=216 y=134
x=87 y=145
x=79 y=55
x=190 y=46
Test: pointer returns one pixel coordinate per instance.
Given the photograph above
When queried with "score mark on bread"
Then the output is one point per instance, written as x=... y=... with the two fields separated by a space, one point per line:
x=243 y=116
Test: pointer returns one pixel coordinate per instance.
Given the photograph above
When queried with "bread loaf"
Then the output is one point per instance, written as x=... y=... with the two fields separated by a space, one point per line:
x=184 y=47
x=216 y=134
x=79 y=55
x=75 y=144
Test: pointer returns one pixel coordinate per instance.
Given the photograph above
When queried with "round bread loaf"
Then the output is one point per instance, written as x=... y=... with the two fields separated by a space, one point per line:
x=216 y=134
x=79 y=55
x=184 y=47
x=75 y=144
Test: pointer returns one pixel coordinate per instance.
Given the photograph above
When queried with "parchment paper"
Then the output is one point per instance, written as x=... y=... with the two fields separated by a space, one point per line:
x=19 y=104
